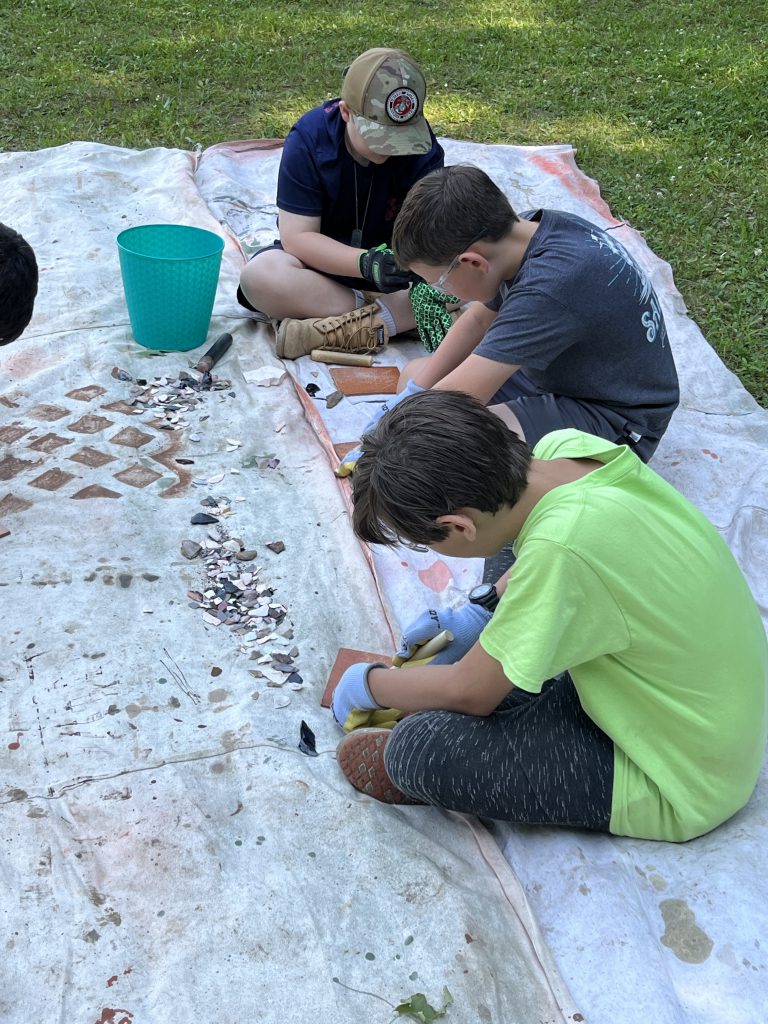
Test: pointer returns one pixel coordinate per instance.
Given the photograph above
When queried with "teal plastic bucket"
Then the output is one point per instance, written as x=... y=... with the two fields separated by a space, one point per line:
x=170 y=273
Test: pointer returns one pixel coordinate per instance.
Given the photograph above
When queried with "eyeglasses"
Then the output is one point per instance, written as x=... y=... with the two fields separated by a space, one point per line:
x=439 y=284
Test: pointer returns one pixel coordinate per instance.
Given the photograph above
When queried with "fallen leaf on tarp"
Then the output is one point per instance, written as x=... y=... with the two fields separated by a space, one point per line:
x=417 y=1007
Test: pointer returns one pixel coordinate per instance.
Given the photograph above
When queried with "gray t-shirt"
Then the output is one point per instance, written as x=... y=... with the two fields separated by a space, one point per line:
x=581 y=319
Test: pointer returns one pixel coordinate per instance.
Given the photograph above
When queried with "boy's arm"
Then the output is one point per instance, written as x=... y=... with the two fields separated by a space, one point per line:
x=476 y=685
x=477 y=376
x=301 y=237
x=456 y=346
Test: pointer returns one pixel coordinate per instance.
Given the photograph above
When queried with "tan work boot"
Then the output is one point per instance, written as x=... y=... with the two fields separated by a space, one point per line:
x=362 y=330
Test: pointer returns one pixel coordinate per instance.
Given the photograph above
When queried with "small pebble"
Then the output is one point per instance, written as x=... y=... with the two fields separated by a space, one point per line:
x=246 y=556
x=201 y=518
x=276 y=545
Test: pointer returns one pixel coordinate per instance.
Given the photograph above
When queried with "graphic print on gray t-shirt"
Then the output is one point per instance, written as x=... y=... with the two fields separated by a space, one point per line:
x=582 y=319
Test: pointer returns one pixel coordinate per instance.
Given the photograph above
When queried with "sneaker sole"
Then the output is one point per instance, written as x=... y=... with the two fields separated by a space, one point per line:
x=361 y=757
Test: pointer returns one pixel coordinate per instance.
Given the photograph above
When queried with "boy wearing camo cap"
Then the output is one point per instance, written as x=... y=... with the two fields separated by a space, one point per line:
x=346 y=168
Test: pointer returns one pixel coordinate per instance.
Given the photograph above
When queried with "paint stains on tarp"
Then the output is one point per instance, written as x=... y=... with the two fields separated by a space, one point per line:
x=712 y=455
x=436 y=577
x=114 y=1016
x=111 y=916
x=682 y=935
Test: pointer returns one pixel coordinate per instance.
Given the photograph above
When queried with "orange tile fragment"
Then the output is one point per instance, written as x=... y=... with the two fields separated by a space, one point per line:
x=366 y=380
x=347 y=656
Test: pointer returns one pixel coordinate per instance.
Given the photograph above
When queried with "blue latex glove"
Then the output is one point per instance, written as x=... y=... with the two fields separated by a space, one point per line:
x=466 y=624
x=352 y=693
x=347 y=467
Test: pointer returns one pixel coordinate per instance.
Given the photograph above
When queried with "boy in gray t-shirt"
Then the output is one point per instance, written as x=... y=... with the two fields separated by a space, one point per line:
x=564 y=330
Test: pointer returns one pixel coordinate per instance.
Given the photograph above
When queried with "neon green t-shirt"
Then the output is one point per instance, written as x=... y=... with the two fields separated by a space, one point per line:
x=621 y=581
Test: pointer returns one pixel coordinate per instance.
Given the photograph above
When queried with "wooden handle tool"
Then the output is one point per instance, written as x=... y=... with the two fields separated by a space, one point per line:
x=427 y=650
x=327 y=355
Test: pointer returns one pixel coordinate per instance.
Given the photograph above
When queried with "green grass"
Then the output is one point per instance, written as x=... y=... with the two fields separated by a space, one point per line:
x=665 y=103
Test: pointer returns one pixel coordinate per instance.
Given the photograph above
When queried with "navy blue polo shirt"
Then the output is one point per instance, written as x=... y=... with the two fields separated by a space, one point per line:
x=317 y=179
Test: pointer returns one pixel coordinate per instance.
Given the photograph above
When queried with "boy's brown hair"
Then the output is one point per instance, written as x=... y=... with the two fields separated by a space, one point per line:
x=432 y=454
x=446 y=212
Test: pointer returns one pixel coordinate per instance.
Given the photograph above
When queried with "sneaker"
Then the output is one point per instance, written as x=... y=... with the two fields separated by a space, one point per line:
x=361 y=758
x=362 y=330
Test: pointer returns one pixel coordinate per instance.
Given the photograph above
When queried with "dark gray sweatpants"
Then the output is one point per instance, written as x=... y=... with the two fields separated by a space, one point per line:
x=538 y=758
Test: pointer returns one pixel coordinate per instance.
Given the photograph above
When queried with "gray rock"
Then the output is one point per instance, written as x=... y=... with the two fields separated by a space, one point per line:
x=190 y=549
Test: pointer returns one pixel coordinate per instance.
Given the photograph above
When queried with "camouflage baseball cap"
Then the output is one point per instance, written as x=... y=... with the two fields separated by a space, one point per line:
x=385 y=90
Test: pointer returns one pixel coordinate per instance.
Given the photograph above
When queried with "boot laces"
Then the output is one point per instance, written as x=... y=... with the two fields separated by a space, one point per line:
x=339 y=332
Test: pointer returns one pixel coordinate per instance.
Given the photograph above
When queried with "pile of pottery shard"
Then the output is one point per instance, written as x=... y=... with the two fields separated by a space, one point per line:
x=170 y=399
x=233 y=595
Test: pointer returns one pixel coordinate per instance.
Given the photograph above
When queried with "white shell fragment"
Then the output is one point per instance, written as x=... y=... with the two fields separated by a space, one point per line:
x=265 y=376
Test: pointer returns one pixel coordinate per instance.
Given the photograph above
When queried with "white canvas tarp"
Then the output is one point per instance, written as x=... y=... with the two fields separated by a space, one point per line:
x=169 y=853
x=168 y=850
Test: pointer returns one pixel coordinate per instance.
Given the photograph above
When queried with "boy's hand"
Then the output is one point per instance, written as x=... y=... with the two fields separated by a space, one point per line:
x=466 y=624
x=352 y=693
x=378 y=267
x=433 y=321
x=347 y=466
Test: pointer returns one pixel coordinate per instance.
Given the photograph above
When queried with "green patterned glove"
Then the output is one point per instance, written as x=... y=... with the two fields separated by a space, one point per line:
x=433 y=321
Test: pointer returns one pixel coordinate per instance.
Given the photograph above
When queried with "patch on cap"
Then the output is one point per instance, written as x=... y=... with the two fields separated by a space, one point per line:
x=402 y=105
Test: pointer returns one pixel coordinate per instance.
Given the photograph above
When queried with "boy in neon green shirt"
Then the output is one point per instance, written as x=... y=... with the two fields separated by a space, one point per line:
x=619 y=684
